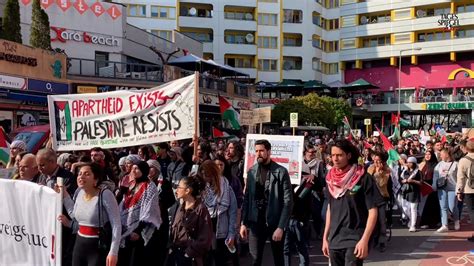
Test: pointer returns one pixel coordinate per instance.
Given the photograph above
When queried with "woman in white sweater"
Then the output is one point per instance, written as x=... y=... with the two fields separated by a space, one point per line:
x=444 y=181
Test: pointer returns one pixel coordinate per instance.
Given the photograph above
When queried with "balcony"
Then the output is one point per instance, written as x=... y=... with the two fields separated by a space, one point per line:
x=410 y=102
x=213 y=84
x=241 y=89
x=115 y=70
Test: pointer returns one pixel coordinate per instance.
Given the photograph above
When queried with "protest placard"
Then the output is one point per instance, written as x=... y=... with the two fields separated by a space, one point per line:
x=286 y=151
x=29 y=228
x=124 y=118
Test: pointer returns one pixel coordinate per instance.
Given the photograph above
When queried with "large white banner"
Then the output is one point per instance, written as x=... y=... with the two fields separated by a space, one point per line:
x=286 y=151
x=123 y=118
x=29 y=227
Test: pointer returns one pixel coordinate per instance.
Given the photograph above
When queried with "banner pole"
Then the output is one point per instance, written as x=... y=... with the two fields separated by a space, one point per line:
x=59 y=227
x=196 y=112
x=261 y=128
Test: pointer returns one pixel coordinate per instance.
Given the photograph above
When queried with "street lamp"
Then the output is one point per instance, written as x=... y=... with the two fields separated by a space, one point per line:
x=400 y=74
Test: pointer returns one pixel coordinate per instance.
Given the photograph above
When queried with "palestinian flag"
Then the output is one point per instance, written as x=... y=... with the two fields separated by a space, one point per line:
x=404 y=122
x=396 y=134
x=229 y=113
x=4 y=148
x=345 y=120
x=216 y=133
x=393 y=155
x=395 y=119
x=441 y=133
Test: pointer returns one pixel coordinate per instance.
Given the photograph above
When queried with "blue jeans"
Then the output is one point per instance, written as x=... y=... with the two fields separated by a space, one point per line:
x=447 y=203
x=296 y=234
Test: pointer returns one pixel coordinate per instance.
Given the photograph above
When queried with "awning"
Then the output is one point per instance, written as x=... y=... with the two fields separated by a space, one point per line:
x=359 y=84
x=193 y=63
x=337 y=84
x=227 y=71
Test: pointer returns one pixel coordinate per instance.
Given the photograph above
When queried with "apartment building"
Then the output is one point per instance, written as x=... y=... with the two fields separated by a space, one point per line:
x=335 y=40
x=271 y=40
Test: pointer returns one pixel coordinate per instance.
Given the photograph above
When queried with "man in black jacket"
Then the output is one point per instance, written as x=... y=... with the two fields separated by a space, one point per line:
x=267 y=206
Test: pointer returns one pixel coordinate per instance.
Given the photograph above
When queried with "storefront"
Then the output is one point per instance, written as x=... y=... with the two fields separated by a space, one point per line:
x=437 y=89
x=27 y=76
x=209 y=111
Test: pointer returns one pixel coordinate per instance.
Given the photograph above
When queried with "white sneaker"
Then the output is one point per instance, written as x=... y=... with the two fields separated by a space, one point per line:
x=442 y=229
x=412 y=229
x=457 y=225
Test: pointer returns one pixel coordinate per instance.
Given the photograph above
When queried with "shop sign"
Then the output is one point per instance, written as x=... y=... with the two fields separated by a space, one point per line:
x=80 y=6
x=10 y=54
x=450 y=106
x=13 y=82
x=63 y=35
x=86 y=89
x=47 y=87
x=449 y=21
x=269 y=101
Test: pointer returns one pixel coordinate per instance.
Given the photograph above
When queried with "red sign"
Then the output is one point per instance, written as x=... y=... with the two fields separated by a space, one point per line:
x=97 y=9
x=114 y=12
x=81 y=6
x=46 y=3
x=26 y=2
x=64 y=4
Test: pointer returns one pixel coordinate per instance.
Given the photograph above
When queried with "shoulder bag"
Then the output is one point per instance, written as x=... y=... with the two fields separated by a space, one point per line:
x=442 y=182
x=105 y=229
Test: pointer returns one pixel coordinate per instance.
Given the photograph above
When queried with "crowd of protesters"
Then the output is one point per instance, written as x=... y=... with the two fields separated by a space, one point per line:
x=169 y=204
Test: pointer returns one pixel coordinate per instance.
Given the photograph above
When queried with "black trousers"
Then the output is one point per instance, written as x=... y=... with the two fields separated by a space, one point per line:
x=177 y=258
x=86 y=253
x=344 y=257
x=258 y=235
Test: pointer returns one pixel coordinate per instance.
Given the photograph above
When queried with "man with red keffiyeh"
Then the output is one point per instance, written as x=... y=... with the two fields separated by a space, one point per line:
x=353 y=207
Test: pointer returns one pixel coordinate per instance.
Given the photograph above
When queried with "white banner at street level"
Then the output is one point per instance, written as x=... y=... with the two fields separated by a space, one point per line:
x=286 y=151
x=123 y=118
x=29 y=227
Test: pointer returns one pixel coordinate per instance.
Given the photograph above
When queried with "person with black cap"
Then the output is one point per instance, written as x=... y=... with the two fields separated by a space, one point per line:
x=141 y=219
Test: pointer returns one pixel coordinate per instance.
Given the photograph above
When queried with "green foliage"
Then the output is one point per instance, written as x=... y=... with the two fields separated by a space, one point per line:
x=313 y=109
x=11 y=21
x=40 y=36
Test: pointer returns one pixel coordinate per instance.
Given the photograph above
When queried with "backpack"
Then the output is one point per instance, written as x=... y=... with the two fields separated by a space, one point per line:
x=471 y=172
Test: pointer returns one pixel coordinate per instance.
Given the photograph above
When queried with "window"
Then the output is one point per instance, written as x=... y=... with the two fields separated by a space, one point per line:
x=317 y=19
x=239 y=37
x=294 y=40
x=238 y=15
x=136 y=10
x=239 y=61
x=101 y=60
x=267 y=42
x=292 y=16
x=463 y=8
x=316 y=64
x=200 y=36
x=331 y=3
x=465 y=33
x=165 y=34
x=317 y=41
x=330 y=24
x=404 y=37
x=330 y=68
x=349 y=21
x=330 y=46
x=375 y=41
x=349 y=43
x=163 y=12
x=267 y=65
x=268 y=1
x=267 y=19
x=433 y=36
x=375 y=18
x=292 y=63
x=402 y=14
x=432 y=11
x=346 y=2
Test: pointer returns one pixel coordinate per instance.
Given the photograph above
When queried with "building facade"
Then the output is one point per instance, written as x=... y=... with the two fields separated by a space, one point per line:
x=270 y=40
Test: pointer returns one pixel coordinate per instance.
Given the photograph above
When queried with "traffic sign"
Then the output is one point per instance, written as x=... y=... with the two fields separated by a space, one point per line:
x=293 y=119
x=367 y=122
